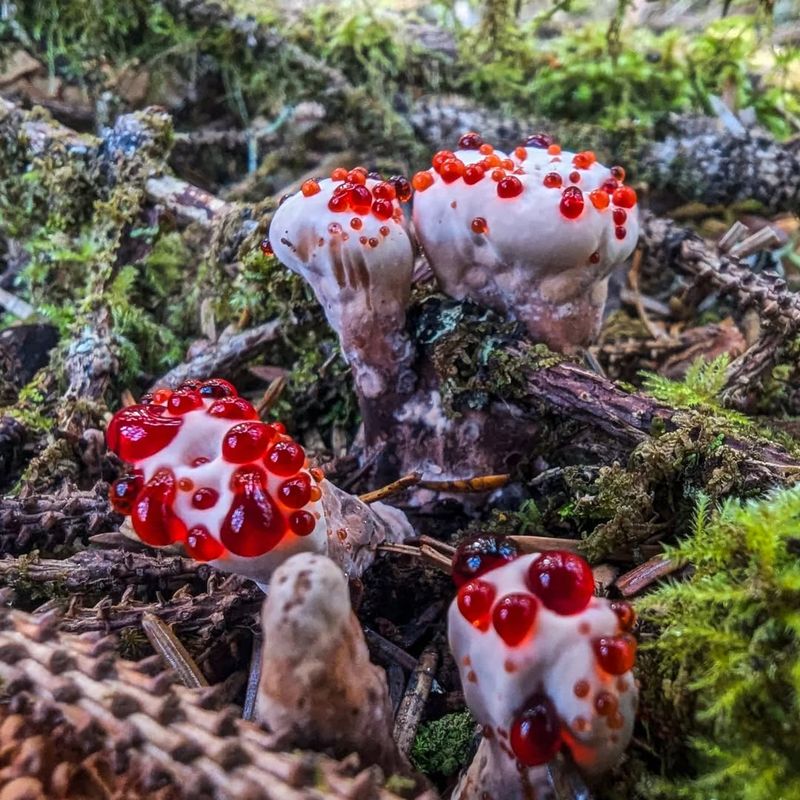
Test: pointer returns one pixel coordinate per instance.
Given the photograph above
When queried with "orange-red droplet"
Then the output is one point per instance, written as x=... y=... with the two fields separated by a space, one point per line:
x=384 y=191
x=475 y=602
x=356 y=224
x=486 y=149
x=625 y=197
x=615 y=654
x=571 y=202
x=599 y=199
x=339 y=174
x=618 y=173
x=473 y=173
x=452 y=170
x=309 y=188
x=552 y=180
x=479 y=225
x=510 y=186
x=521 y=153
x=554 y=149
x=422 y=181
x=440 y=158
x=383 y=209
x=625 y=614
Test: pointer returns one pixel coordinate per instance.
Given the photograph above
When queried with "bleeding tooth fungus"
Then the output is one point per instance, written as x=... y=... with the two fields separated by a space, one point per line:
x=534 y=234
x=544 y=663
x=208 y=474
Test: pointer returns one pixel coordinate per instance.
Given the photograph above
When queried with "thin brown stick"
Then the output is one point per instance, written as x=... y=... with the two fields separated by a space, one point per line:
x=639 y=578
x=395 y=487
x=482 y=483
x=271 y=395
x=413 y=703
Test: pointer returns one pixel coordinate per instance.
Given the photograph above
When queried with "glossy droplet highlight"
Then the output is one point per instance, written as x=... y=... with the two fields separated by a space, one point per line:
x=562 y=581
x=422 y=181
x=615 y=654
x=253 y=525
x=479 y=225
x=535 y=734
x=475 y=602
x=310 y=188
x=246 y=442
x=571 y=202
x=201 y=545
x=480 y=554
x=285 y=458
x=599 y=199
x=510 y=186
x=625 y=197
x=552 y=180
x=123 y=492
x=513 y=618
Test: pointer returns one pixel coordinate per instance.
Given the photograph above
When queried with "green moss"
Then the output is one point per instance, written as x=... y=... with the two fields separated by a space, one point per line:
x=726 y=641
x=441 y=747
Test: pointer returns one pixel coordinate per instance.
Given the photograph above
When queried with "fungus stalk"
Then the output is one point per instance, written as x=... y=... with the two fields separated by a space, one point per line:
x=545 y=665
x=534 y=234
x=346 y=236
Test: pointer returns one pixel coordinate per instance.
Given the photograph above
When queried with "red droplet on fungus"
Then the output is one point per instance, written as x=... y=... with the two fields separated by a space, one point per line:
x=266 y=247
x=470 y=141
x=521 y=153
x=382 y=209
x=473 y=173
x=599 y=199
x=152 y=517
x=540 y=140
x=620 y=216
x=247 y=441
x=232 y=408
x=285 y=458
x=310 y=188
x=302 y=523
x=563 y=581
x=384 y=191
x=535 y=734
x=552 y=180
x=440 y=158
x=513 y=617
x=356 y=223
x=184 y=401
x=339 y=174
x=202 y=546
x=205 y=498
x=140 y=431
x=475 y=602
x=624 y=196
x=620 y=232
x=360 y=199
x=358 y=175
x=295 y=492
x=253 y=525
x=618 y=173
x=625 y=614
x=478 y=225
x=571 y=202
x=216 y=388
x=452 y=170
x=402 y=187
x=422 y=181
x=123 y=492
x=575 y=177
x=615 y=654
x=339 y=203
x=486 y=149
x=480 y=554
x=510 y=186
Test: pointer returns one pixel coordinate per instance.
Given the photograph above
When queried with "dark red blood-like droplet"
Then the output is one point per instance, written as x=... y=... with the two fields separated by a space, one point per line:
x=266 y=247
x=295 y=492
x=536 y=733
x=615 y=654
x=215 y=388
x=473 y=173
x=575 y=177
x=510 y=186
x=475 y=602
x=246 y=442
x=606 y=704
x=625 y=614
x=140 y=431
x=620 y=232
x=162 y=395
x=254 y=524
x=339 y=202
x=620 y=216
x=624 y=196
x=202 y=546
x=302 y=523
x=513 y=617
x=232 y=408
x=184 y=401
x=190 y=385
x=382 y=209
x=540 y=140
x=618 y=173
x=384 y=191
x=594 y=258
x=205 y=498
x=402 y=187
x=152 y=517
x=357 y=175
x=571 y=202
x=123 y=492
x=285 y=458
x=360 y=199
x=470 y=141
x=552 y=180
x=476 y=556
x=440 y=157
x=562 y=581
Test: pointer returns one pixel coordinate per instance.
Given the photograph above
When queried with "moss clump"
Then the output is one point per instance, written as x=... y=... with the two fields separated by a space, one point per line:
x=442 y=746
x=728 y=646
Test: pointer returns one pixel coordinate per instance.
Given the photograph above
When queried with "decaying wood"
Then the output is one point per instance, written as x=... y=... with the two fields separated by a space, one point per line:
x=158 y=733
x=46 y=521
x=412 y=706
x=98 y=571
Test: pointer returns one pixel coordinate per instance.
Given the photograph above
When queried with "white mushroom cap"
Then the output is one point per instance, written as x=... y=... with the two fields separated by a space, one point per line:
x=549 y=654
x=359 y=262
x=537 y=244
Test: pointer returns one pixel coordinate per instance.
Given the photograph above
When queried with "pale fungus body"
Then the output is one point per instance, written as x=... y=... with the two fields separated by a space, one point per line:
x=534 y=234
